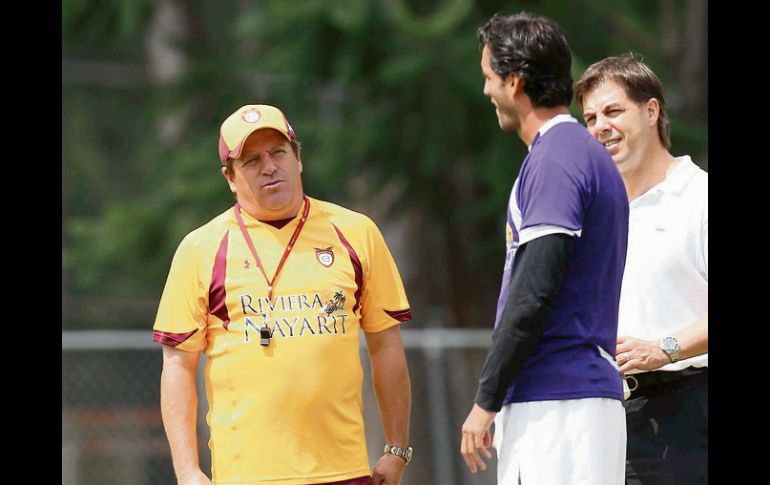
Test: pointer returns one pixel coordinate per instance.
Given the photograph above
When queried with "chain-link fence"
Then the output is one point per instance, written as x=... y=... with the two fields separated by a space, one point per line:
x=112 y=431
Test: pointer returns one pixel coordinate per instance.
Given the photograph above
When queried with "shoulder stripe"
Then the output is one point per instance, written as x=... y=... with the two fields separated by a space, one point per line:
x=357 y=267
x=172 y=339
x=400 y=315
x=217 y=292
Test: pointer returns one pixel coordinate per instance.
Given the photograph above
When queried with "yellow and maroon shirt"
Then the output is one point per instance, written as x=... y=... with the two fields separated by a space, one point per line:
x=290 y=411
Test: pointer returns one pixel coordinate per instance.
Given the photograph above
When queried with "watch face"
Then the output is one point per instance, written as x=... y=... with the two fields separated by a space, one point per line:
x=669 y=344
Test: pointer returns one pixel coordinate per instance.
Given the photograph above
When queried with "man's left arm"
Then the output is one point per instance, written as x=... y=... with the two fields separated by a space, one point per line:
x=538 y=270
x=633 y=353
x=390 y=376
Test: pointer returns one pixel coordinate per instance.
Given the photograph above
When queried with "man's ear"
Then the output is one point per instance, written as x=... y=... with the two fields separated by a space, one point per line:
x=514 y=84
x=653 y=111
x=230 y=182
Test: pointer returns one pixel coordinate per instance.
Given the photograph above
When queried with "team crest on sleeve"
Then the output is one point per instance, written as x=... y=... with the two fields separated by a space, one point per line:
x=324 y=256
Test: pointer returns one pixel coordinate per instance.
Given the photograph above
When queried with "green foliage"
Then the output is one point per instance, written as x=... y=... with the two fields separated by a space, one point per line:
x=381 y=92
x=95 y=27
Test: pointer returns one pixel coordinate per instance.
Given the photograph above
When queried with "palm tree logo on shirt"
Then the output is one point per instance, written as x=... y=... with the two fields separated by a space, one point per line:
x=336 y=302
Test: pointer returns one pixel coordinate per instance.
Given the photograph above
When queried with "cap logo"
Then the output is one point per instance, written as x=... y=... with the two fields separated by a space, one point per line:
x=251 y=116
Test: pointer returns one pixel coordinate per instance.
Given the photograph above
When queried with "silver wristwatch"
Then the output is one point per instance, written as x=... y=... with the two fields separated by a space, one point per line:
x=405 y=453
x=670 y=346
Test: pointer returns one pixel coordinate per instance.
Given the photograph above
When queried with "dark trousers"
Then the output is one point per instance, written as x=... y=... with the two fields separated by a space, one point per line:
x=667 y=428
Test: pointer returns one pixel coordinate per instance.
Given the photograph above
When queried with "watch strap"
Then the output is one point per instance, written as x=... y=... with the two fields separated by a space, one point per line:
x=403 y=453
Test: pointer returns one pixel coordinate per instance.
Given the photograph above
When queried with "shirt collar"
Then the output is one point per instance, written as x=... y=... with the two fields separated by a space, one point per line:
x=560 y=118
x=680 y=174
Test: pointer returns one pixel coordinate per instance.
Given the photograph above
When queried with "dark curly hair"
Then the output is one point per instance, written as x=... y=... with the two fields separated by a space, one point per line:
x=534 y=48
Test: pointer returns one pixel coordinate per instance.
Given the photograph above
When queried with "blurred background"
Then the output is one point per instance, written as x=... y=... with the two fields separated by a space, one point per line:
x=386 y=98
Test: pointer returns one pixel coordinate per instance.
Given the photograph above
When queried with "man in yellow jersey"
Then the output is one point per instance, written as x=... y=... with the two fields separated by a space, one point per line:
x=274 y=291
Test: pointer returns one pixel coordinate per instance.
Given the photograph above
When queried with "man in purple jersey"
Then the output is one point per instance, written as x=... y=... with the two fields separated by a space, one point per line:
x=550 y=382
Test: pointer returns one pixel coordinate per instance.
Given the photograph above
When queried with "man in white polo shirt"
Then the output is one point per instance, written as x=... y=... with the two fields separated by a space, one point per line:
x=663 y=318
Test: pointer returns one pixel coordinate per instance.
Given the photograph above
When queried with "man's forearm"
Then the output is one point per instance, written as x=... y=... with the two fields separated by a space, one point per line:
x=694 y=338
x=179 y=405
x=539 y=267
x=390 y=377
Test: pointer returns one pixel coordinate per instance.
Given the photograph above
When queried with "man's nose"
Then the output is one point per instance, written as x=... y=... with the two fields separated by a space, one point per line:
x=601 y=128
x=269 y=166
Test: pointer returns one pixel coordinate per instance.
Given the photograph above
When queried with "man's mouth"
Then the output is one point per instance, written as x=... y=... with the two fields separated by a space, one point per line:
x=610 y=143
x=272 y=185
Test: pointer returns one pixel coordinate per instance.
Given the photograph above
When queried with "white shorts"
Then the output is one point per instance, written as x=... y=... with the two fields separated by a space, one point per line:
x=575 y=442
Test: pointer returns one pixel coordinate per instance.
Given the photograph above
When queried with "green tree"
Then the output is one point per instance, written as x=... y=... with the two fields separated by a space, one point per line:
x=384 y=94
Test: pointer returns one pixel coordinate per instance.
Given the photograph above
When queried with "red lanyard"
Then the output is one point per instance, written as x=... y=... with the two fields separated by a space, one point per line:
x=286 y=252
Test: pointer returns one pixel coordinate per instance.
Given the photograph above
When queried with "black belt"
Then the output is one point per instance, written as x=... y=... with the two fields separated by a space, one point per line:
x=646 y=380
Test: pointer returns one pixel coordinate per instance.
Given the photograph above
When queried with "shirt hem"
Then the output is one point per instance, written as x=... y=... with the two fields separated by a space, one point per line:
x=299 y=480
x=563 y=397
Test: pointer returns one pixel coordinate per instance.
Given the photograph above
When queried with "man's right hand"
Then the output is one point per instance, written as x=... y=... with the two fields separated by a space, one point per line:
x=193 y=477
x=476 y=438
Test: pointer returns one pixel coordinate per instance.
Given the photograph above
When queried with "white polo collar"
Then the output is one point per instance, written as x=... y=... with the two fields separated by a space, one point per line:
x=677 y=179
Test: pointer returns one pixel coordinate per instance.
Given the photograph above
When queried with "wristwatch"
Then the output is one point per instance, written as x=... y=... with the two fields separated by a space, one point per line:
x=405 y=453
x=670 y=346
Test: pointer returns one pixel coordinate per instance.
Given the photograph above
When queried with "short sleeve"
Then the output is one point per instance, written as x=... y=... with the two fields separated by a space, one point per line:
x=551 y=197
x=183 y=311
x=383 y=300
